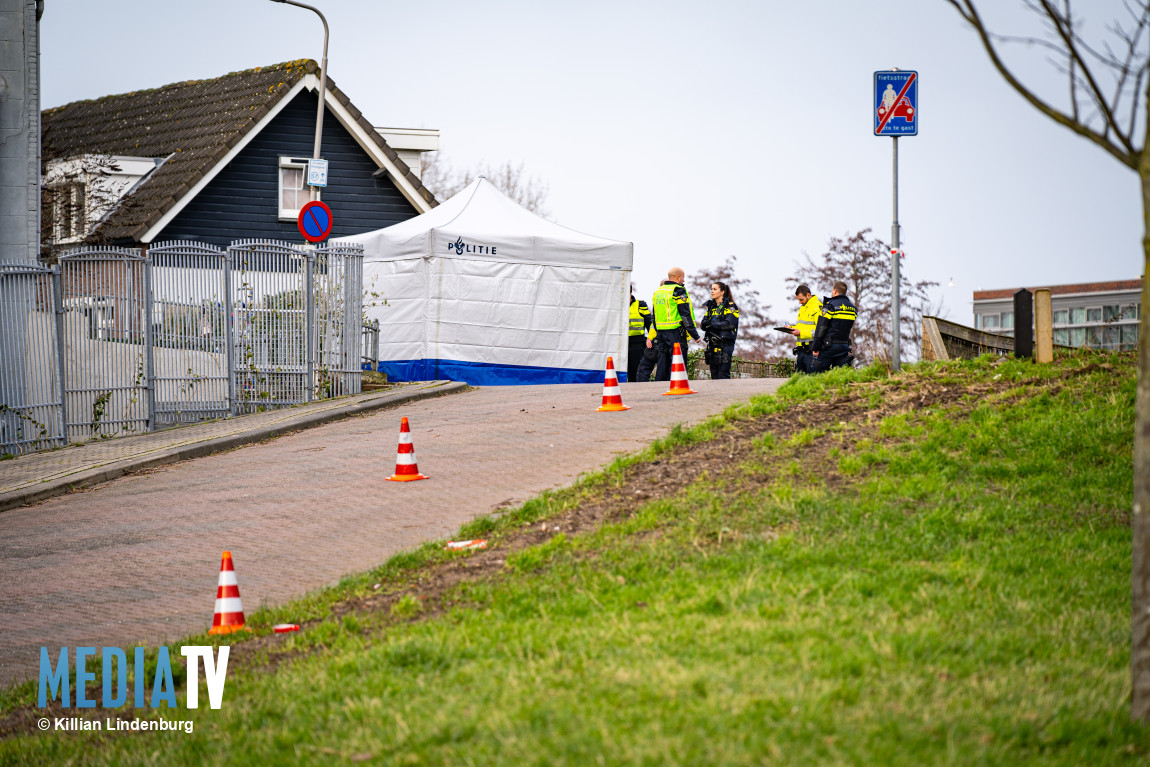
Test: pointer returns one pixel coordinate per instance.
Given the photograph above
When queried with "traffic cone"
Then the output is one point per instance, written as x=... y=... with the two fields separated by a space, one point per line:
x=679 y=383
x=229 y=615
x=612 y=399
x=405 y=468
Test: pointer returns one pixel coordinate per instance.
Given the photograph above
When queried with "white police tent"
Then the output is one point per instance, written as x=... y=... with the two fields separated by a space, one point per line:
x=480 y=290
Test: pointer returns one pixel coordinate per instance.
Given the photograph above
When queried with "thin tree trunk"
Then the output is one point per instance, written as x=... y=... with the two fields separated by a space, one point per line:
x=1140 y=581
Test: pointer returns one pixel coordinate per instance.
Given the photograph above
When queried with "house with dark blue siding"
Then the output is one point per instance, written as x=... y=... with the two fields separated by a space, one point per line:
x=218 y=160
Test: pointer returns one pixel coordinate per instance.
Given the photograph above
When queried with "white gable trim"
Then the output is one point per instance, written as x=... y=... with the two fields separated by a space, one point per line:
x=311 y=82
x=219 y=166
x=405 y=187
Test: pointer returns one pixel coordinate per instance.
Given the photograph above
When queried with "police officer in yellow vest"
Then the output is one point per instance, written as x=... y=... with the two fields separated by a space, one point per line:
x=804 y=328
x=637 y=335
x=674 y=321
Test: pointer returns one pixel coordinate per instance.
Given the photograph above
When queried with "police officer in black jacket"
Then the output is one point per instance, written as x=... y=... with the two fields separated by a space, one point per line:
x=720 y=326
x=831 y=344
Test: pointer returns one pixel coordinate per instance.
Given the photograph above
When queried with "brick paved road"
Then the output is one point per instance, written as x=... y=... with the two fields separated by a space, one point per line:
x=136 y=559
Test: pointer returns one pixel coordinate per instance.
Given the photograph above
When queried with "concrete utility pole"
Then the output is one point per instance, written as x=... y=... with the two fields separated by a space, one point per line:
x=20 y=130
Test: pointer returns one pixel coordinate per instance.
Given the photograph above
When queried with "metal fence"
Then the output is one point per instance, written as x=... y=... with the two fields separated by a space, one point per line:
x=119 y=341
x=697 y=369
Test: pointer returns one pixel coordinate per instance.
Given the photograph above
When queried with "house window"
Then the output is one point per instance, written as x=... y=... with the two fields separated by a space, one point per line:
x=1077 y=336
x=1129 y=336
x=1111 y=313
x=1062 y=337
x=67 y=209
x=293 y=189
x=990 y=322
x=1008 y=320
x=1094 y=314
x=1078 y=316
x=1062 y=317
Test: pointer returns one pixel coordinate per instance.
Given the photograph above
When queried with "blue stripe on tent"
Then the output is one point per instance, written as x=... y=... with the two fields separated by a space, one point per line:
x=486 y=374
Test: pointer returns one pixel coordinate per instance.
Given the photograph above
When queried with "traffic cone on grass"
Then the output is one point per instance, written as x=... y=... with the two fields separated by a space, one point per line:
x=229 y=615
x=406 y=469
x=612 y=399
x=679 y=383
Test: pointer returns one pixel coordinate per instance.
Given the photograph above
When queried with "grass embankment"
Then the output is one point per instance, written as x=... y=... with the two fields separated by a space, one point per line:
x=928 y=569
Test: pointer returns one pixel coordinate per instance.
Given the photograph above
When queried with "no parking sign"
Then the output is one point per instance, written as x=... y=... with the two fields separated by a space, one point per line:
x=314 y=221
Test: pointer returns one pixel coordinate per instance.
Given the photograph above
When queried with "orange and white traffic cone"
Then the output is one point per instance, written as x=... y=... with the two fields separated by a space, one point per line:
x=679 y=383
x=229 y=615
x=406 y=469
x=612 y=399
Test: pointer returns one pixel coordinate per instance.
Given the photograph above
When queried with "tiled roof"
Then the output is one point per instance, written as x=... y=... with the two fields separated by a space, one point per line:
x=194 y=124
x=1062 y=290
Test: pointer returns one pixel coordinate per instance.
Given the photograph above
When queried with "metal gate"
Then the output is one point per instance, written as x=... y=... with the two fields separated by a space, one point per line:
x=191 y=326
x=269 y=295
x=31 y=399
x=338 y=313
x=106 y=339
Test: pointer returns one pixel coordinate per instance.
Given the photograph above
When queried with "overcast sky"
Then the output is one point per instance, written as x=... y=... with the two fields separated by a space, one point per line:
x=694 y=130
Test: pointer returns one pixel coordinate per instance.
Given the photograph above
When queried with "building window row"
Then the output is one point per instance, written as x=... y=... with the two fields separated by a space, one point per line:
x=1112 y=326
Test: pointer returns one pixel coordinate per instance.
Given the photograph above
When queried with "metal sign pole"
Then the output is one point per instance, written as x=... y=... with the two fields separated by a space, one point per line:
x=895 y=328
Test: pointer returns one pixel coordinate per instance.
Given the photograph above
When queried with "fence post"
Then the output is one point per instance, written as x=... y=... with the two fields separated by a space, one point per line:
x=309 y=322
x=229 y=343
x=58 y=300
x=1023 y=323
x=1043 y=331
x=149 y=348
x=375 y=344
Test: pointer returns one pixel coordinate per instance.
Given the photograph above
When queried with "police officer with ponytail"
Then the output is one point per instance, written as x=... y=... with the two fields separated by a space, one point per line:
x=720 y=326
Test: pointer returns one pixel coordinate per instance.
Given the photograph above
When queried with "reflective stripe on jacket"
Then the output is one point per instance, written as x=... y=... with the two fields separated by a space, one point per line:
x=808 y=318
x=835 y=323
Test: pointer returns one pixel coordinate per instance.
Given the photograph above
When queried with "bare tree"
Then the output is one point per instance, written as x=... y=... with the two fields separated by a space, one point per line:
x=75 y=196
x=1105 y=101
x=756 y=339
x=445 y=181
x=863 y=263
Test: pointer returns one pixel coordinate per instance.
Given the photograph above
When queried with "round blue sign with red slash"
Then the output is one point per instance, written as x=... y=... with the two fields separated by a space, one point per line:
x=314 y=221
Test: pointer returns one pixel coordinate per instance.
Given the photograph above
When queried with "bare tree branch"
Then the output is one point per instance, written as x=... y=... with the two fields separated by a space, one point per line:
x=1125 y=154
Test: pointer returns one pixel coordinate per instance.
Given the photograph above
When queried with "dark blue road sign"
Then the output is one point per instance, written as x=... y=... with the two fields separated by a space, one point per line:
x=314 y=221
x=896 y=103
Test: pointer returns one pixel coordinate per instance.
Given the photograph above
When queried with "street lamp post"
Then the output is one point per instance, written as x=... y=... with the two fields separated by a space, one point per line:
x=322 y=86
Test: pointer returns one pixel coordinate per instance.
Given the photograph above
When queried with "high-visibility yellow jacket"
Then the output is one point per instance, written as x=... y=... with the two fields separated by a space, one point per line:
x=672 y=309
x=640 y=318
x=808 y=318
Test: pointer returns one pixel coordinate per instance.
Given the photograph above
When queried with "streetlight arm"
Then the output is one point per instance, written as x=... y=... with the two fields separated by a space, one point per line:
x=322 y=75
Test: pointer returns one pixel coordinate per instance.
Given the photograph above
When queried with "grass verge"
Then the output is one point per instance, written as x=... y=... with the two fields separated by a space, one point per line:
x=932 y=568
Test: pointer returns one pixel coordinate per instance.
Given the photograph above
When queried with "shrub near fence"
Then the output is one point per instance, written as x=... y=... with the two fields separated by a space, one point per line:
x=117 y=341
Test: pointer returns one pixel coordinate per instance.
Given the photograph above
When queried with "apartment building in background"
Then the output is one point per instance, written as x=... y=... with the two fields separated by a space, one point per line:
x=1099 y=315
